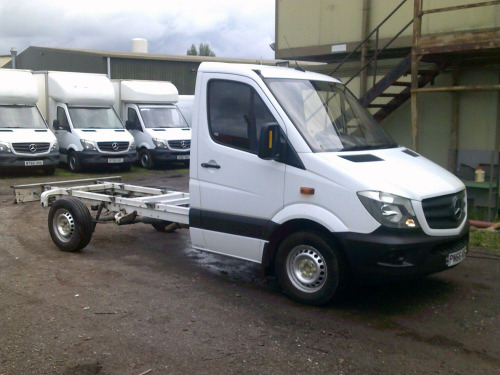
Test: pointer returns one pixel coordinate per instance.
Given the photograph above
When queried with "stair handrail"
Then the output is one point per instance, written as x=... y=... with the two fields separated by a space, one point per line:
x=375 y=30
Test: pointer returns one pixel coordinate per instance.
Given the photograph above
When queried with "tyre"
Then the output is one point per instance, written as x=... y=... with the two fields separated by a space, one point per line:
x=161 y=226
x=70 y=224
x=74 y=164
x=145 y=159
x=310 y=269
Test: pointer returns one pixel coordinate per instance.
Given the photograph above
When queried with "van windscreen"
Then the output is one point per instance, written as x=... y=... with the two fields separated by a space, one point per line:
x=20 y=117
x=328 y=116
x=94 y=118
x=162 y=117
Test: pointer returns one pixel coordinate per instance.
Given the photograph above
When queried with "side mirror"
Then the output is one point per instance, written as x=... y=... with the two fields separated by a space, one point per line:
x=269 y=141
x=131 y=125
x=56 y=125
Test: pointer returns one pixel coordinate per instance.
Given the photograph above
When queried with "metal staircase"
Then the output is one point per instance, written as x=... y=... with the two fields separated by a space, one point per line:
x=392 y=90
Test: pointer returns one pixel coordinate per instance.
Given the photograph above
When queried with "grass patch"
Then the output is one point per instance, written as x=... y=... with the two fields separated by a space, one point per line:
x=485 y=240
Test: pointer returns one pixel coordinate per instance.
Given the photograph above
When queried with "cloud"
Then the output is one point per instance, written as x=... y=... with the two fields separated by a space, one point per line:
x=233 y=28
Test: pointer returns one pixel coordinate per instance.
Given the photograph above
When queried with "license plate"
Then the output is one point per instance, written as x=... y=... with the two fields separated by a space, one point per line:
x=182 y=157
x=33 y=162
x=456 y=257
x=115 y=160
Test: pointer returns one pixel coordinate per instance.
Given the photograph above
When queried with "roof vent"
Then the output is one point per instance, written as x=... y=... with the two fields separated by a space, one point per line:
x=139 y=45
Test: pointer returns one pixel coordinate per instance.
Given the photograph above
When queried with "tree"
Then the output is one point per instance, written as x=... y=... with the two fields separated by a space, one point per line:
x=203 y=50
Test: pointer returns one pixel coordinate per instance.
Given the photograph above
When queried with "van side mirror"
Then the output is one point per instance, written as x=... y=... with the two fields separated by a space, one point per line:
x=269 y=141
x=131 y=125
x=56 y=125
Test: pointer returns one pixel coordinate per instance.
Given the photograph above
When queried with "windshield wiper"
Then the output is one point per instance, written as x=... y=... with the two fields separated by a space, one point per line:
x=369 y=147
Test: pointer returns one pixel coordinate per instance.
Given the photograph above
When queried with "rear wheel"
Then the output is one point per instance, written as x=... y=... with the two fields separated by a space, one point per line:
x=73 y=162
x=310 y=269
x=145 y=159
x=161 y=226
x=70 y=224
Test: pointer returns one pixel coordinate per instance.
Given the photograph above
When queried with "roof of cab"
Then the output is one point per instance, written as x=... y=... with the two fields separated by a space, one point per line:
x=265 y=70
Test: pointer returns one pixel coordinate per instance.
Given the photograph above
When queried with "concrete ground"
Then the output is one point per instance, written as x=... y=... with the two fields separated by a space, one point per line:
x=137 y=301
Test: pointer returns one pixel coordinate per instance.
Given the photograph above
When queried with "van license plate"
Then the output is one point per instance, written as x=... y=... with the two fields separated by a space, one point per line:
x=182 y=157
x=33 y=162
x=115 y=160
x=456 y=257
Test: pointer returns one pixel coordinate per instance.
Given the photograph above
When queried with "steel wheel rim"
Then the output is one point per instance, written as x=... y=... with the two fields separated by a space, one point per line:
x=306 y=268
x=64 y=225
x=72 y=163
x=145 y=159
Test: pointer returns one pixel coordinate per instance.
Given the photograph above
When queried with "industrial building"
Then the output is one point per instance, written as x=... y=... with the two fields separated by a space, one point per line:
x=428 y=70
x=180 y=70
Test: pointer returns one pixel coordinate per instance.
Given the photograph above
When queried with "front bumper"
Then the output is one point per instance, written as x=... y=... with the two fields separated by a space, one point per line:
x=99 y=158
x=164 y=154
x=395 y=254
x=13 y=161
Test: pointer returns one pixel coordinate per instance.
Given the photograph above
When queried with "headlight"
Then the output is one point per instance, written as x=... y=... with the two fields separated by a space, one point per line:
x=388 y=209
x=160 y=143
x=4 y=147
x=132 y=146
x=88 y=145
x=55 y=147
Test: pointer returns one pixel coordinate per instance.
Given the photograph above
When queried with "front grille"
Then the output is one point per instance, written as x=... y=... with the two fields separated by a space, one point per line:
x=445 y=212
x=180 y=145
x=31 y=148
x=113 y=146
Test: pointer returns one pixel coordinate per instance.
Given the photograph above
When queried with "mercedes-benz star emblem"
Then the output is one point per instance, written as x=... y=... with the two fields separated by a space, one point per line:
x=456 y=208
x=114 y=146
x=184 y=144
x=32 y=148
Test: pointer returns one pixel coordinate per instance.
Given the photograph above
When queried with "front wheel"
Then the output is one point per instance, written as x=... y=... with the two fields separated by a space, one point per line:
x=70 y=224
x=310 y=270
x=145 y=159
x=74 y=163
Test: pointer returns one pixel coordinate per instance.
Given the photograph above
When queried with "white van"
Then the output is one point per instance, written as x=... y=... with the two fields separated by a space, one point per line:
x=25 y=140
x=149 y=111
x=185 y=105
x=79 y=108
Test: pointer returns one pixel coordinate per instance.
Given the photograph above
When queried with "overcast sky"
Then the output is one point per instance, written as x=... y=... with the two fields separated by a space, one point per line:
x=233 y=28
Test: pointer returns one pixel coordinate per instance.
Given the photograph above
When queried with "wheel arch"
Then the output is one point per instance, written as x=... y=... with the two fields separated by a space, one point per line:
x=279 y=232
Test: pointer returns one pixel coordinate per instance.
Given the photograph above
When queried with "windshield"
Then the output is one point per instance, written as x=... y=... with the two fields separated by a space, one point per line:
x=328 y=115
x=162 y=117
x=21 y=117
x=94 y=118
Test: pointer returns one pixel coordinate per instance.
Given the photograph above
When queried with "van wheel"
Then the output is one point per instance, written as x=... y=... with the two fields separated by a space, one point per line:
x=310 y=270
x=70 y=224
x=145 y=159
x=73 y=162
x=161 y=226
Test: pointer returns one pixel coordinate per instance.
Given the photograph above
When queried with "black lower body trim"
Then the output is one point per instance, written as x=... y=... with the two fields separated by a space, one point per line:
x=99 y=158
x=232 y=224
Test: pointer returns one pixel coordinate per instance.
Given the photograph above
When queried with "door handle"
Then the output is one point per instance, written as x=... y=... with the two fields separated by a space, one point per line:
x=207 y=165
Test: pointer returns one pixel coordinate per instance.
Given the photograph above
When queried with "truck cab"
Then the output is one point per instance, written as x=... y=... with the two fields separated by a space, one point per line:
x=25 y=140
x=149 y=111
x=289 y=170
x=79 y=107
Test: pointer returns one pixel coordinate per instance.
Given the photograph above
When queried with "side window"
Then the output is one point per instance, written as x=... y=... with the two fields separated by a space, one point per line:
x=62 y=118
x=132 y=116
x=236 y=114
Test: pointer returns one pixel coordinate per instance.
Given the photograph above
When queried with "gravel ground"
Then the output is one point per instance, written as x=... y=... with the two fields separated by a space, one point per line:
x=138 y=301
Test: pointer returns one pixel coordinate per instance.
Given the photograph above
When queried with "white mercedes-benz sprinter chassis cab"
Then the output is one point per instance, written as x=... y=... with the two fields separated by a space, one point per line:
x=288 y=170
x=25 y=140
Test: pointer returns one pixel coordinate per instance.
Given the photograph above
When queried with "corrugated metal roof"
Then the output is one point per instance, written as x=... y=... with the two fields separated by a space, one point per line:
x=157 y=56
